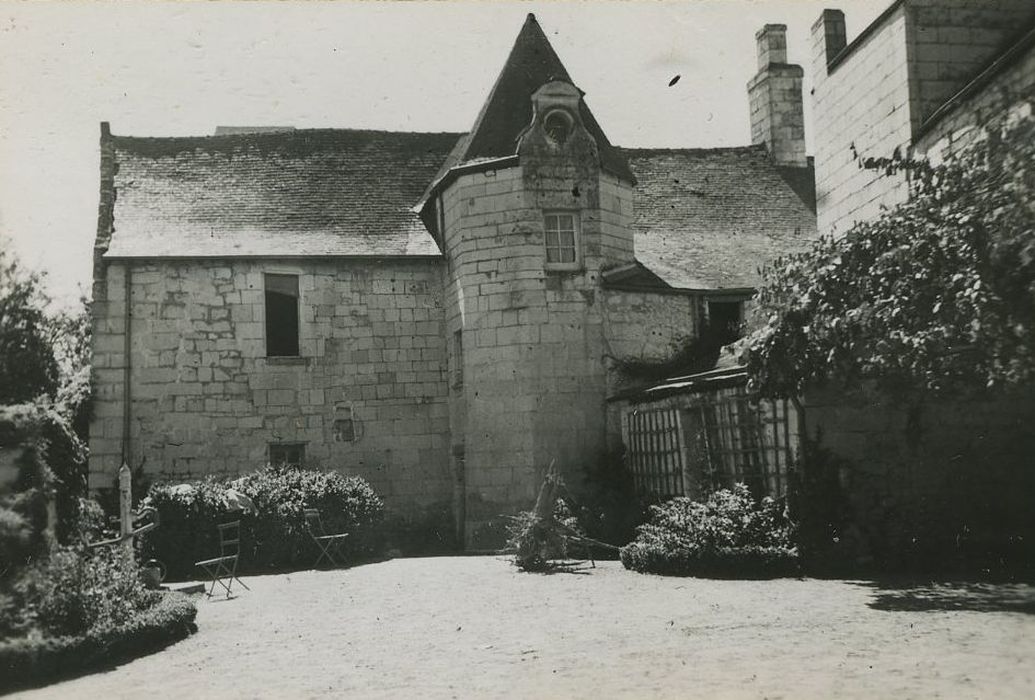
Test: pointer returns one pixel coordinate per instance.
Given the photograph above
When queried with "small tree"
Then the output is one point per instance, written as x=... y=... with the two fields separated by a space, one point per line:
x=44 y=372
x=28 y=367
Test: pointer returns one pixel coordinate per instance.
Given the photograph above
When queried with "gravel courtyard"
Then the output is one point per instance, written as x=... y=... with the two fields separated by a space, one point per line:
x=475 y=627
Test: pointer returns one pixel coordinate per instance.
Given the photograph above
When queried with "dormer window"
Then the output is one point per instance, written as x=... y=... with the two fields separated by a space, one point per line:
x=562 y=240
x=557 y=126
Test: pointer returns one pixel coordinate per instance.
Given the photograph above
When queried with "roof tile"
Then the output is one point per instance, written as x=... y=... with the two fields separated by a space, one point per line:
x=299 y=193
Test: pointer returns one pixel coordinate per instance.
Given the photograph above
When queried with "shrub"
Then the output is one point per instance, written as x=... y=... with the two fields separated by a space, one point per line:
x=274 y=536
x=281 y=494
x=188 y=514
x=728 y=535
x=535 y=541
x=36 y=658
x=75 y=590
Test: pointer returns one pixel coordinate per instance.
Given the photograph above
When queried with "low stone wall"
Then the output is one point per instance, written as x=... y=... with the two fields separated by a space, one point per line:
x=942 y=483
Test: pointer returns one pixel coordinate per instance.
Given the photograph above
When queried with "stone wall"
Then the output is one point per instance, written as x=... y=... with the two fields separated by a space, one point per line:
x=877 y=97
x=536 y=342
x=860 y=110
x=206 y=399
x=1006 y=94
x=950 y=480
x=951 y=40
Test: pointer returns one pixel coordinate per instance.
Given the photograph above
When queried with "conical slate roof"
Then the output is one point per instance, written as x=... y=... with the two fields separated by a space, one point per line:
x=508 y=110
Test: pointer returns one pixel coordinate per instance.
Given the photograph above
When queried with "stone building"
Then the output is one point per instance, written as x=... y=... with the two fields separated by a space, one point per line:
x=435 y=312
x=921 y=80
x=938 y=478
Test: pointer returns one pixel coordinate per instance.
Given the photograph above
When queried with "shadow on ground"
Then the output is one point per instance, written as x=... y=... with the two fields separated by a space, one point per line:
x=976 y=596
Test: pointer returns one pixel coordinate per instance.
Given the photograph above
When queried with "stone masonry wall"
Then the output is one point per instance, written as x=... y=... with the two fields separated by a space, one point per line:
x=943 y=478
x=874 y=101
x=952 y=39
x=1009 y=93
x=860 y=110
x=536 y=342
x=206 y=400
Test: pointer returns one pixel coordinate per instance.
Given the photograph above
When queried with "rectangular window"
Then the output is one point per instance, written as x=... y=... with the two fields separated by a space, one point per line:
x=281 y=315
x=458 y=360
x=290 y=454
x=562 y=241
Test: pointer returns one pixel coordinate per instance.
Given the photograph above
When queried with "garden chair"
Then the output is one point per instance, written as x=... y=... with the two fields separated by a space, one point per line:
x=329 y=545
x=223 y=569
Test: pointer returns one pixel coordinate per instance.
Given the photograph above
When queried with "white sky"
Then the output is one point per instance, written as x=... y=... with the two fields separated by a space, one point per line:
x=181 y=68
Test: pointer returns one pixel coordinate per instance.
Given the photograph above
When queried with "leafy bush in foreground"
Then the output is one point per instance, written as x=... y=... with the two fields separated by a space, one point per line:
x=728 y=535
x=37 y=658
x=74 y=591
x=274 y=536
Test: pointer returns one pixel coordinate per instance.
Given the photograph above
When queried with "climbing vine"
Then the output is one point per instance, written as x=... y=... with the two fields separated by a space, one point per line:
x=936 y=294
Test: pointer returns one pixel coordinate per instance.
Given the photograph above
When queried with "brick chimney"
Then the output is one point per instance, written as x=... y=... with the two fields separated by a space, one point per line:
x=777 y=116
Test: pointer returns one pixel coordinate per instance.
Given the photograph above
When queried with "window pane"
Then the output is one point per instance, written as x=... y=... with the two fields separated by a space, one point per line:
x=566 y=222
x=568 y=255
x=553 y=255
x=551 y=222
x=567 y=239
x=282 y=315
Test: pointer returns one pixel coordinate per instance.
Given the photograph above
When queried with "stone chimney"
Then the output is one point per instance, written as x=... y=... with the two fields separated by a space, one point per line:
x=777 y=115
x=830 y=34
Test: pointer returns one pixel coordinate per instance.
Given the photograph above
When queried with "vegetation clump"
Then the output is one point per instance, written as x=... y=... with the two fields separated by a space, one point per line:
x=935 y=294
x=76 y=608
x=730 y=534
x=274 y=534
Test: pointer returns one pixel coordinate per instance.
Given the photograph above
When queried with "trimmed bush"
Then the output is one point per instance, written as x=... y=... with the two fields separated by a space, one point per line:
x=730 y=535
x=274 y=536
x=78 y=608
x=37 y=659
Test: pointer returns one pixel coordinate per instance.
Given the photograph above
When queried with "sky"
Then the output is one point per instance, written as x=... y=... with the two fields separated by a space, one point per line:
x=182 y=68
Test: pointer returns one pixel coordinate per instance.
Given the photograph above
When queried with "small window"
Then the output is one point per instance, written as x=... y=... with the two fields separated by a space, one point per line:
x=344 y=428
x=562 y=237
x=458 y=360
x=282 y=315
x=557 y=125
x=287 y=454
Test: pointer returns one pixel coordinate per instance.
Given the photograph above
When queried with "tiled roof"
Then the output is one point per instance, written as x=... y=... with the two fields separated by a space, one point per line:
x=508 y=110
x=709 y=218
x=296 y=193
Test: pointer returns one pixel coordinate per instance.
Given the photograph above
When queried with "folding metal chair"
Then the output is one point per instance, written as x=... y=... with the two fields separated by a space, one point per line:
x=329 y=545
x=223 y=569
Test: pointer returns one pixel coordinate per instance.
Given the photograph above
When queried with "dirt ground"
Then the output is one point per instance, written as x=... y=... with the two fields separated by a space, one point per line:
x=475 y=627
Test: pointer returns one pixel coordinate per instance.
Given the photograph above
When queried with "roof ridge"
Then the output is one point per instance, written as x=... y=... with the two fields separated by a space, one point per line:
x=759 y=147
x=272 y=135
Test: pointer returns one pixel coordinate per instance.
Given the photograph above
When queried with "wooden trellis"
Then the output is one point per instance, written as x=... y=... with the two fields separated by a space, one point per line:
x=656 y=451
x=711 y=440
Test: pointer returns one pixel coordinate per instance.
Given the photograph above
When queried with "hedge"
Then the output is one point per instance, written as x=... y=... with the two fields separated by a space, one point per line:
x=37 y=659
x=273 y=537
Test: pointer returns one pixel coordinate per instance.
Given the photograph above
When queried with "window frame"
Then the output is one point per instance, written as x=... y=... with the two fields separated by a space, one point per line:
x=576 y=263
x=266 y=313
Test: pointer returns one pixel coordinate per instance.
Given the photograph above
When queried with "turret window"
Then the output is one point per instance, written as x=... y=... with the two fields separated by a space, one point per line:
x=562 y=241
